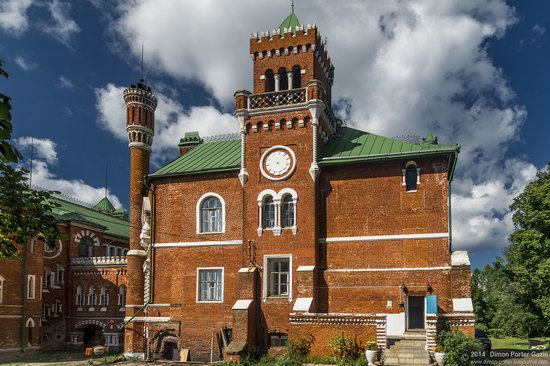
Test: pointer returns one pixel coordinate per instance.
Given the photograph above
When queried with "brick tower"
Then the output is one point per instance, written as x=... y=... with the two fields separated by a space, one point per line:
x=140 y=125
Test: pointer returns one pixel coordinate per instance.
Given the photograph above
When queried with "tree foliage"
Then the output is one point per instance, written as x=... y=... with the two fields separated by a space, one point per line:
x=25 y=213
x=8 y=153
x=512 y=296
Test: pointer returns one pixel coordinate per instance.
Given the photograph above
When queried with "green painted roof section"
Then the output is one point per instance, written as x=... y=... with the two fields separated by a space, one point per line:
x=105 y=205
x=71 y=211
x=208 y=157
x=355 y=145
x=291 y=22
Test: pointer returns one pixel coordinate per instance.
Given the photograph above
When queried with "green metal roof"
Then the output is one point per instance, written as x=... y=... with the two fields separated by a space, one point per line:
x=105 y=205
x=355 y=146
x=291 y=22
x=71 y=211
x=351 y=146
x=205 y=158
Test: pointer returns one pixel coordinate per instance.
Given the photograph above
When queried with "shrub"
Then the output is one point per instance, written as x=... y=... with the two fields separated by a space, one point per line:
x=346 y=348
x=301 y=345
x=371 y=345
x=459 y=349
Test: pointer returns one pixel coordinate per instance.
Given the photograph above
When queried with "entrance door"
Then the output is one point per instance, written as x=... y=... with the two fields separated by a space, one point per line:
x=92 y=336
x=415 y=312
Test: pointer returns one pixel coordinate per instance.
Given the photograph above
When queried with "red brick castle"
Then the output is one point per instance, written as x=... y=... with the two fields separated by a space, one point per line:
x=297 y=225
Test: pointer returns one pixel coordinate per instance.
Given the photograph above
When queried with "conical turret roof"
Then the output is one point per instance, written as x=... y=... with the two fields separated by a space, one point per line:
x=291 y=22
x=105 y=205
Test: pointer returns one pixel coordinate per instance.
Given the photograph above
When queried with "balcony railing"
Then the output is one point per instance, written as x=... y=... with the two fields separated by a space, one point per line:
x=99 y=261
x=279 y=98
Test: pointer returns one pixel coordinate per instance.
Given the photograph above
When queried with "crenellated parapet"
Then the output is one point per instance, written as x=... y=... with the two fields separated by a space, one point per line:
x=141 y=104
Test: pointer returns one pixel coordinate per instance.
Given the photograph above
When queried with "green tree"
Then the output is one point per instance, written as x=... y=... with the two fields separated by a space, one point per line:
x=25 y=213
x=8 y=153
x=529 y=252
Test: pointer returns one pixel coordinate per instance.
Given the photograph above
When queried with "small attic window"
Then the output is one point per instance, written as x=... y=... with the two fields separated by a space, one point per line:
x=411 y=176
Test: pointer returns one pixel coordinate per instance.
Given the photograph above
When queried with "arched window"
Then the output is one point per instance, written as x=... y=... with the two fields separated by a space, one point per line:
x=119 y=252
x=92 y=296
x=46 y=275
x=269 y=212
x=122 y=295
x=79 y=299
x=210 y=214
x=29 y=325
x=86 y=247
x=112 y=251
x=269 y=81
x=296 y=77
x=411 y=176
x=1 y=289
x=59 y=275
x=288 y=211
x=104 y=297
x=283 y=79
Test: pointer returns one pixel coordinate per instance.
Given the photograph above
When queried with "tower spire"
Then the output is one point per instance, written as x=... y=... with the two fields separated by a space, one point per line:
x=142 y=80
x=292 y=5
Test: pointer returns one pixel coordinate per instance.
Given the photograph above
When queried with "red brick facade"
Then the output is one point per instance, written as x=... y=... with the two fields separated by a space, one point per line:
x=360 y=250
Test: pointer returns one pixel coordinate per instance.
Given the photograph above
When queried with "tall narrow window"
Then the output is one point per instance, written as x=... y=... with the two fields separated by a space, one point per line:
x=288 y=211
x=59 y=275
x=210 y=284
x=31 y=284
x=269 y=81
x=46 y=275
x=269 y=212
x=92 y=296
x=296 y=77
x=79 y=300
x=411 y=177
x=104 y=297
x=1 y=289
x=279 y=276
x=283 y=79
x=86 y=247
x=122 y=296
x=112 y=251
x=211 y=215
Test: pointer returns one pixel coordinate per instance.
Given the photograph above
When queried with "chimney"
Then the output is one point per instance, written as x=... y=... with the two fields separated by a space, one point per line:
x=189 y=141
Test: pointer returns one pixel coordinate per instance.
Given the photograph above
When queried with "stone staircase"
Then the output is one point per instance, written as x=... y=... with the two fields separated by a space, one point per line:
x=408 y=351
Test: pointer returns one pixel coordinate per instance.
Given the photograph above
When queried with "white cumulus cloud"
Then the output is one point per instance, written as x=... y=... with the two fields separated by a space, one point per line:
x=13 y=16
x=402 y=67
x=172 y=120
x=45 y=155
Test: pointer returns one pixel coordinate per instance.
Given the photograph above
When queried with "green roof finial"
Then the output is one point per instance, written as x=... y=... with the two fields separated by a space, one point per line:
x=292 y=6
x=291 y=22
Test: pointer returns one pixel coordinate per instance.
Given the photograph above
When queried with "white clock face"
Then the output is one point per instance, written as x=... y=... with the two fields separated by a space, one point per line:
x=277 y=163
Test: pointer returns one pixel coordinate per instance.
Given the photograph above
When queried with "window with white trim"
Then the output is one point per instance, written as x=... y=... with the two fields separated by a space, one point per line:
x=104 y=297
x=79 y=299
x=121 y=296
x=211 y=215
x=278 y=276
x=277 y=210
x=59 y=275
x=86 y=247
x=46 y=276
x=210 y=285
x=92 y=296
x=269 y=212
x=1 y=289
x=31 y=286
x=411 y=176
x=288 y=211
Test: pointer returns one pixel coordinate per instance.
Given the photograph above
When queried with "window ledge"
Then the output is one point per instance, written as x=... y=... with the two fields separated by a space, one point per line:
x=122 y=309
x=103 y=309
x=91 y=309
x=211 y=232
x=210 y=302
x=413 y=191
x=79 y=309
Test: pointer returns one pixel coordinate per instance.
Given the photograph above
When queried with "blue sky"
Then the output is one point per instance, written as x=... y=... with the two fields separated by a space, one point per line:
x=470 y=71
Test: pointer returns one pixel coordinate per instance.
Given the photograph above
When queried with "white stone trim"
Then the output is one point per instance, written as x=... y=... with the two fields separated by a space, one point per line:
x=303 y=304
x=460 y=258
x=87 y=233
x=388 y=269
x=463 y=305
x=242 y=305
x=198 y=212
x=347 y=239
x=149 y=319
x=305 y=268
x=11 y=316
x=159 y=305
x=30 y=323
x=267 y=257
x=198 y=285
x=136 y=253
x=288 y=173
x=198 y=244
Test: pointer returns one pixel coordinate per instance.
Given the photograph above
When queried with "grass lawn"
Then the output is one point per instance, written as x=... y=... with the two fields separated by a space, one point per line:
x=516 y=343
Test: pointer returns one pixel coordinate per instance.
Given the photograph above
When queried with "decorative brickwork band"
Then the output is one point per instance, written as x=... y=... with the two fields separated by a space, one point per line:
x=462 y=322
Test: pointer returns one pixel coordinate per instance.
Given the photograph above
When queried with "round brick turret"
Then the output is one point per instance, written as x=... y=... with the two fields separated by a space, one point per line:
x=140 y=125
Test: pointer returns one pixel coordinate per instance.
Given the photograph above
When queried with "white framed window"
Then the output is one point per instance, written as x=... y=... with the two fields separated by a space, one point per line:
x=210 y=284
x=1 y=289
x=104 y=297
x=278 y=276
x=277 y=210
x=46 y=275
x=210 y=214
x=121 y=296
x=59 y=275
x=31 y=287
x=79 y=299
x=92 y=296
x=411 y=176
